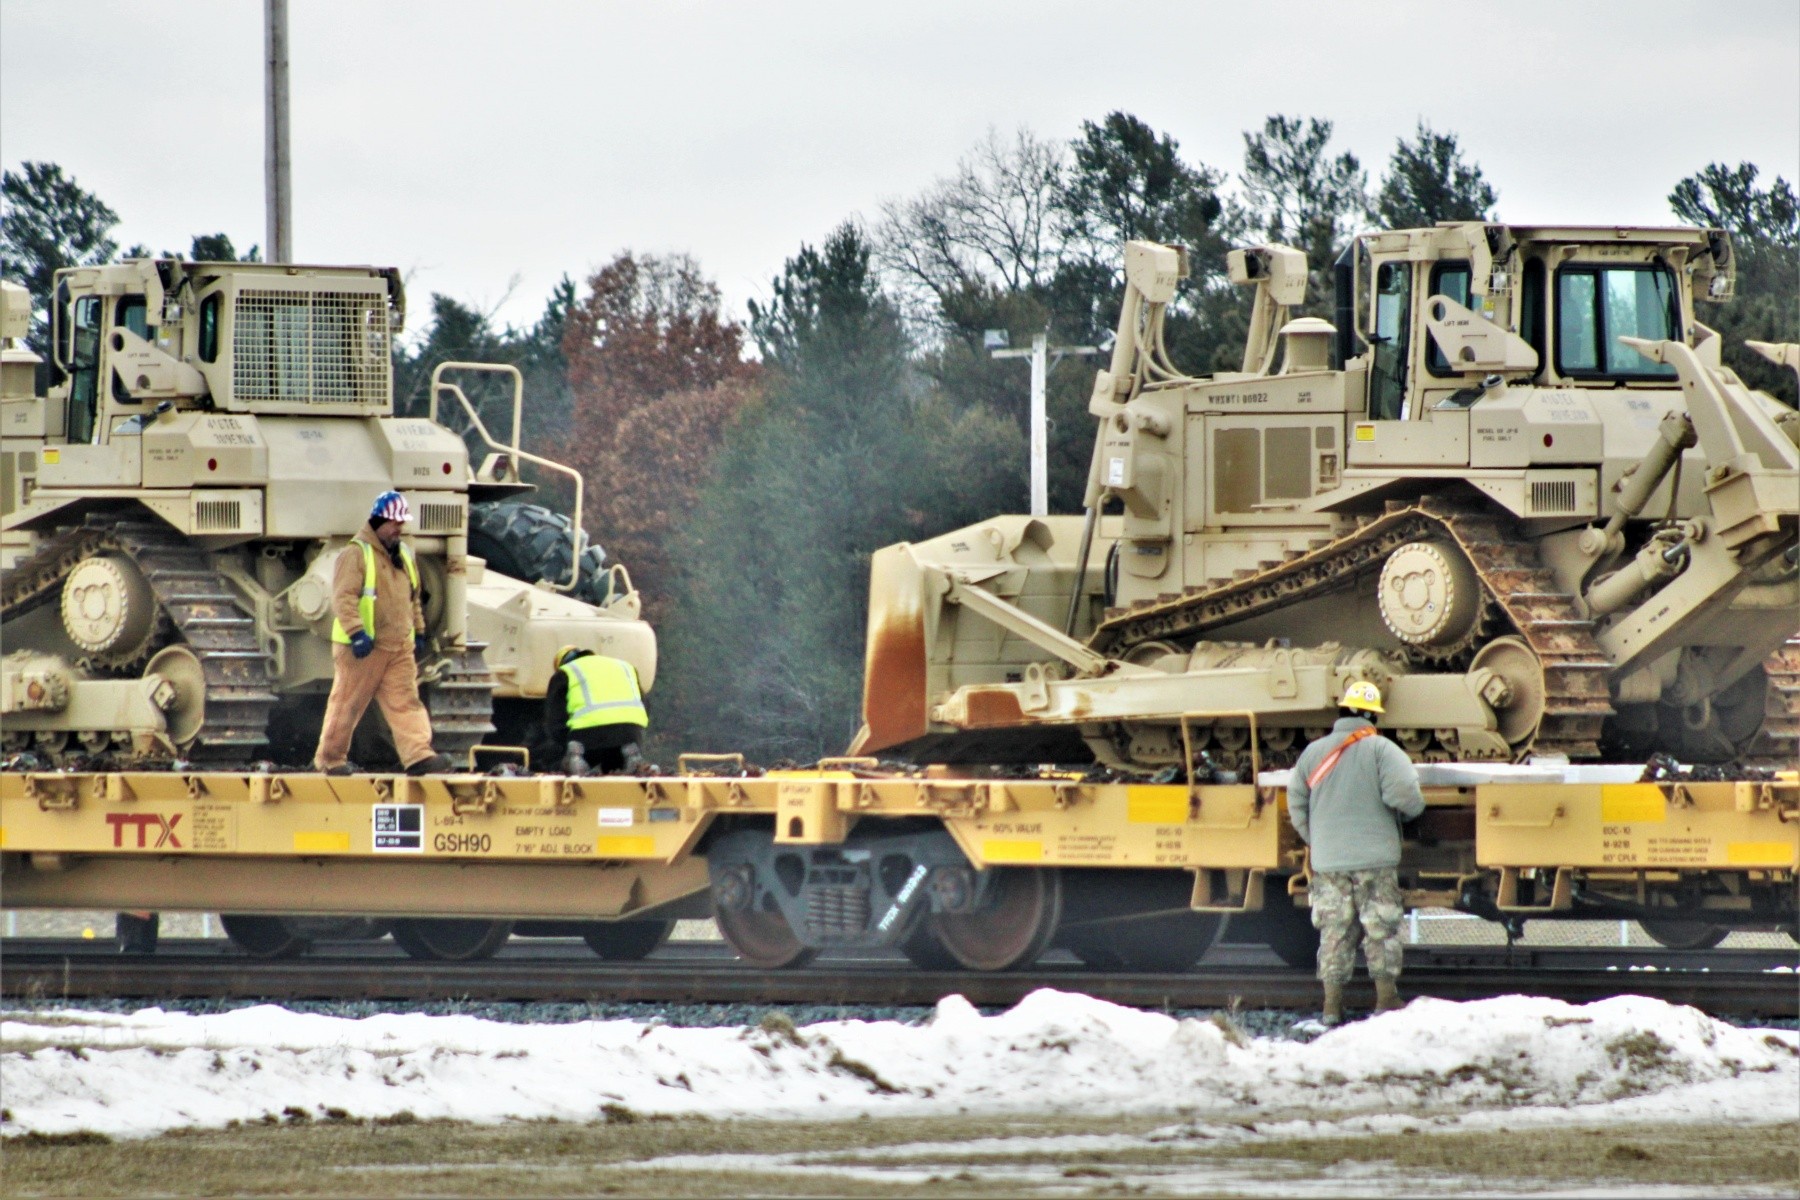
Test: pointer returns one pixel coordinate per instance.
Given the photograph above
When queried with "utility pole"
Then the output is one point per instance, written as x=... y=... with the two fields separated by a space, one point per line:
x=277 y=176
x=1041 y=366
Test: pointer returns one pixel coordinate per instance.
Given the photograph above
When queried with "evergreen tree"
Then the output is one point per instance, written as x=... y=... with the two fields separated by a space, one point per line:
x=1299 y=194
x=1129 y=182
x=217 y=247
x=1428 y=181
x=1764 y=224
x=48 y=222
x=843 y=453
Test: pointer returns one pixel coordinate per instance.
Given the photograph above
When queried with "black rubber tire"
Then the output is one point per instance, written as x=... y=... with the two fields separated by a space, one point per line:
x=625 y=941
x=1685 y=935
x=450 y=939
x=529 y=543
x=1166 y=944
x=264 y=937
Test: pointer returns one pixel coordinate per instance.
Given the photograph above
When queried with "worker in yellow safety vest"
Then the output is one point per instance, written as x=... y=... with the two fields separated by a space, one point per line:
x=593 y=712
x=377 y=630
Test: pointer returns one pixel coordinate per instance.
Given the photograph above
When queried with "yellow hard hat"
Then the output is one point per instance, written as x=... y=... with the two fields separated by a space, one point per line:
x=1362 y=695
x=565 y=654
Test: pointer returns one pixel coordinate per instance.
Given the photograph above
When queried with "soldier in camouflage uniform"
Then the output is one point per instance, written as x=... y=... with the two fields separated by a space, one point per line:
x=1347 y=796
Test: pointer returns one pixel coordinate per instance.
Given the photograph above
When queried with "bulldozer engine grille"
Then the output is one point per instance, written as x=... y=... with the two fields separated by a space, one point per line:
x=218 y=516
x=311 y=348
x=1552 y=496
x=436 y=516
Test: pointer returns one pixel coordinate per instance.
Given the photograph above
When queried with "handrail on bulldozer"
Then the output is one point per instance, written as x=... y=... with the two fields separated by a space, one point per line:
x=1187 y=738
x=518 y=390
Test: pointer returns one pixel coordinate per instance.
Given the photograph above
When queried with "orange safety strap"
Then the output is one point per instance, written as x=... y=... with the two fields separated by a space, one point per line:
x=1331 y=760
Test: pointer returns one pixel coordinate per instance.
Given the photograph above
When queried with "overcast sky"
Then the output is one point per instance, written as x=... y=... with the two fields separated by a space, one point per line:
x=474 y=143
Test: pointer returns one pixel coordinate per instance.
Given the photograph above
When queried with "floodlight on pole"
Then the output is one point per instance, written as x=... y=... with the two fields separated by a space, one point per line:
x=1041 y=366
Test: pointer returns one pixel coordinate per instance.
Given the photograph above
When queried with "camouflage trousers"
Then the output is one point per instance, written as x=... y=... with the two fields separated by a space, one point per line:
x=1349 y=907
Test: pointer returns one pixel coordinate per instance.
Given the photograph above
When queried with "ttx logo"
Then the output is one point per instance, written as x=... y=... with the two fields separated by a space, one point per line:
x=145 y=822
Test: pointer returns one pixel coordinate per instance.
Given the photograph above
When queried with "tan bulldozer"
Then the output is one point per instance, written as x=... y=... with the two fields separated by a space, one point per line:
x=1511 y=483
x=173 y=506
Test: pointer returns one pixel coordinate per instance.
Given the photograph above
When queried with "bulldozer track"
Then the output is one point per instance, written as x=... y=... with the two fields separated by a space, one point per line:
x=460 y=702
x=197 y=609
x=1576 y=701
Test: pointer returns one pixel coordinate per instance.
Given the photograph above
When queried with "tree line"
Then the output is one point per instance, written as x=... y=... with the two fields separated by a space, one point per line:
x=744 y=469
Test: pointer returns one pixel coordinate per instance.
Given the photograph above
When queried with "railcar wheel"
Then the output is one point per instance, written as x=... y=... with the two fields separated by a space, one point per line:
x=1165 y=944
x=762 y=937
x=264 y=937
x=442 y=939
x=625 y=941
x=339 y=929
x=1013 y=928
x=1281 y=925
x=1685 y=935
x=922 y=948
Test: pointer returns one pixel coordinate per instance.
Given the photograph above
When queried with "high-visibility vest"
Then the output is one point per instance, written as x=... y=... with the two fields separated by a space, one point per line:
x=603 y=691
x=365 y=605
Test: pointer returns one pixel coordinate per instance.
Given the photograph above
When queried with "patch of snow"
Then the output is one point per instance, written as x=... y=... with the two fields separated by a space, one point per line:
x=1483 y=1062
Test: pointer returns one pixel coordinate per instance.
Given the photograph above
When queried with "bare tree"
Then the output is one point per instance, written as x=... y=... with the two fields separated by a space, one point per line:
x=991 y=224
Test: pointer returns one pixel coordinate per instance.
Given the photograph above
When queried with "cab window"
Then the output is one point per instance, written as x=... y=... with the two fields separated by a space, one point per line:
x=1595 y=306
x=209 y=327
x=1531 y=309
x=84 y=369
x=1391 y=336
x=128 y=314
x=1451 y=280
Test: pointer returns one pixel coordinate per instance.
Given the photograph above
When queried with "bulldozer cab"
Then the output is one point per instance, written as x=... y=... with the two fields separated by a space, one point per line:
x=1443 y=319
x=228 y=337
x=1439 y=310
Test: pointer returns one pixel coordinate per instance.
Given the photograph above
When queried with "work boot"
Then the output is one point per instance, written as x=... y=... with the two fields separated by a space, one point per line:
x=346 y=768
x=1334 y=1005
x=575 y=759
x=1387 y=996
x=437 y=764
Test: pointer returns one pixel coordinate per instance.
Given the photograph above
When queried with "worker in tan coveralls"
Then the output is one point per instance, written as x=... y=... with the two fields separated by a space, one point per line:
x=378 y=628
x=1347 y=796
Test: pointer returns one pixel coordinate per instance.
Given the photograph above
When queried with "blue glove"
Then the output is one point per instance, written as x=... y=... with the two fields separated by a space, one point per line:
x=420 y=645
x=361 y=644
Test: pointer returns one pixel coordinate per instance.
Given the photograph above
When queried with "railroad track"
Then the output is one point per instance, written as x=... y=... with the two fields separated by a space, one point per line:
x=1725 y=983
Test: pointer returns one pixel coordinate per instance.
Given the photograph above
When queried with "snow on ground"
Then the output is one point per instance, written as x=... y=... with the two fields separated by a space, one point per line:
x=1513 y=1060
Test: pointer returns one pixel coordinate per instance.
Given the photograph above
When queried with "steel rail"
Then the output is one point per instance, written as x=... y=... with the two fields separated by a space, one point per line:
x=691 y=979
